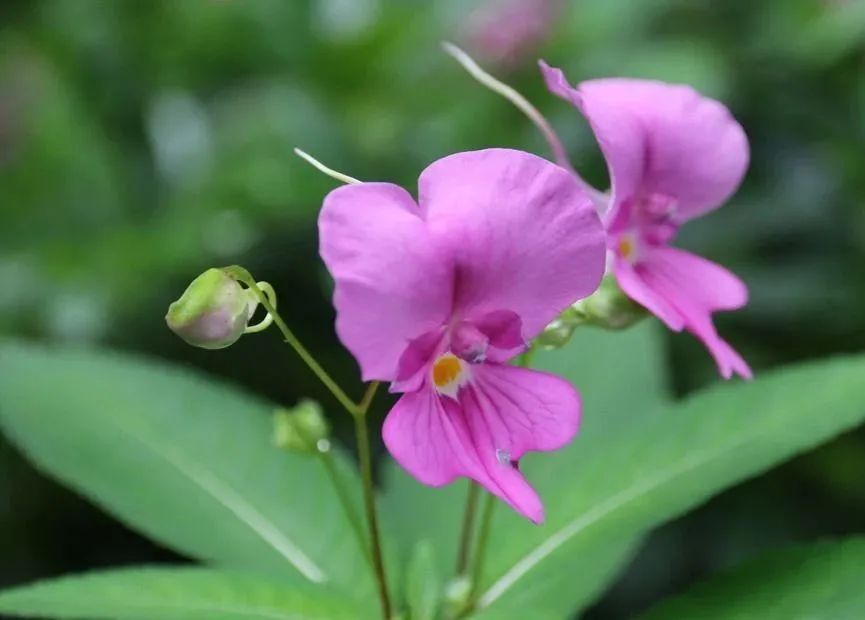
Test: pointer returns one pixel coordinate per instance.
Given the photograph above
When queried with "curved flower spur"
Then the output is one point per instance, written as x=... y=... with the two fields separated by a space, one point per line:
x=437 y=295
x=672 y=155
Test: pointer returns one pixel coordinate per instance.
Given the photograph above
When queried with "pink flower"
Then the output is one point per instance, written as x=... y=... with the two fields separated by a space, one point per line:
x=437 y=295
x=508 y=31
x=672 y=155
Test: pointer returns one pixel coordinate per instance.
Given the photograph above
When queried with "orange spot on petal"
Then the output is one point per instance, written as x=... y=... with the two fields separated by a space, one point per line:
x=445 y=370
x=626 y=247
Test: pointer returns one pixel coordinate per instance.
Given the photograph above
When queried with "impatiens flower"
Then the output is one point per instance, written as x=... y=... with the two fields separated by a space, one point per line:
x=672 y=155
x=507 y=32
x=436 y=295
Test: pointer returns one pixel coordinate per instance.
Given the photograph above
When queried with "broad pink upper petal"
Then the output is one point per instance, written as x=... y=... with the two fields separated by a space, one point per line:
x=663 y=139
x=392 y=285
x=696 y=287
x=692 y=149
x=523 y=235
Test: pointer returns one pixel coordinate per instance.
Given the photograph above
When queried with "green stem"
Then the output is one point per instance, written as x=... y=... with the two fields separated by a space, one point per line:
x=467 y=528
x=347 y=504
x=481 y=548
x=357 y=410
x=242 y=275
x=486 y=521
x=365 y=458
x=531 y=112
x=342 y=494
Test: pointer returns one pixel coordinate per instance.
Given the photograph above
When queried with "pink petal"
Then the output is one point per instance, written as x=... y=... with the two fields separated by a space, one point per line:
x=414 y=363
x=713 y=286
x=392 y=284
x=504 y=330
x=523 y=235
x=503 y=413
x=636 y=288
x=524 y=410
x=662 y=139
x=696 y=287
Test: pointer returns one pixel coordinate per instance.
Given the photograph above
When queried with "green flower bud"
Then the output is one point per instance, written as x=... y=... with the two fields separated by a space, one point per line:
x=457 y=596
x=213 y=312
x=302 y=428
x=608 y=308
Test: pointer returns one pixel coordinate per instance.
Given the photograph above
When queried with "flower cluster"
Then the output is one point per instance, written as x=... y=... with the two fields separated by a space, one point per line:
x=437 y=295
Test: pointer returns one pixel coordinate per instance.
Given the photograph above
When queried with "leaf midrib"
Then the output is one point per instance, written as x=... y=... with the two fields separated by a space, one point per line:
x=529 y=561
x=230 y=499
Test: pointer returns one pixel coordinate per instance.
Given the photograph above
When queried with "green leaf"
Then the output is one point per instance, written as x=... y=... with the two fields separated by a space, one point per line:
x=597 y=362
x=179 y=457
x=424 y=586
x=661 y=465
x=174 y=594
x=620 y=375
x=820 y=581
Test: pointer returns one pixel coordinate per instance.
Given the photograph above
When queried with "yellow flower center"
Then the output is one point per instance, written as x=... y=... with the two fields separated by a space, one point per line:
x=626 y=246
x=446 y=370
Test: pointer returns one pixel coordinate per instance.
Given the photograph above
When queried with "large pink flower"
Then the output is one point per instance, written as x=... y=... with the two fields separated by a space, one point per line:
x=437 y=295
x=672 y=155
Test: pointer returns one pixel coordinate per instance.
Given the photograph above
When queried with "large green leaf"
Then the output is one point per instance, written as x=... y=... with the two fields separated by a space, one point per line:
x=621 y=377
x=174 y=594
x=659 y=466
x=179 y=457
x=819 y=582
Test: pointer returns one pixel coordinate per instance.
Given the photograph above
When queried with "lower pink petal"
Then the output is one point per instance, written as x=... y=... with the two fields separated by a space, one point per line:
x=709 y=283
x=696 y=287
x=524 y=410
x=503 y=413
x=637 y=289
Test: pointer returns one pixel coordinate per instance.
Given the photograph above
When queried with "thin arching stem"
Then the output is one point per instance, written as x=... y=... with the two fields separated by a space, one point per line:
x=242 y=275
x=325 y=456
x=357 y=410
x=481 y=547
x=560 y=155
x=467 y=528
x=339 y=176
x=490 y=501
x=365 y=458
x=512 y=95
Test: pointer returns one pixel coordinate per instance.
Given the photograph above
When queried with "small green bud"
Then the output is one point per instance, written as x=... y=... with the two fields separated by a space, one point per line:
x=610 y=308
x=213 y=311
x=302 y=428
x=607 y=308
x=457 y=596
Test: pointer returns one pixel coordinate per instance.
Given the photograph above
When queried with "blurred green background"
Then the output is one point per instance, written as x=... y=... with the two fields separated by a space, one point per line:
x=142 y=142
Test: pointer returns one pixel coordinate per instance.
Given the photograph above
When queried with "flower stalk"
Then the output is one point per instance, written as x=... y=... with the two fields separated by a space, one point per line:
x=242 y=275
x=467 y=529
x=560 y=155
x=357 y=410
x=365 y=458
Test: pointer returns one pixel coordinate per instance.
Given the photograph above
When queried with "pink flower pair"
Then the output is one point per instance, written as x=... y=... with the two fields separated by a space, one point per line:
x=437 y=295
